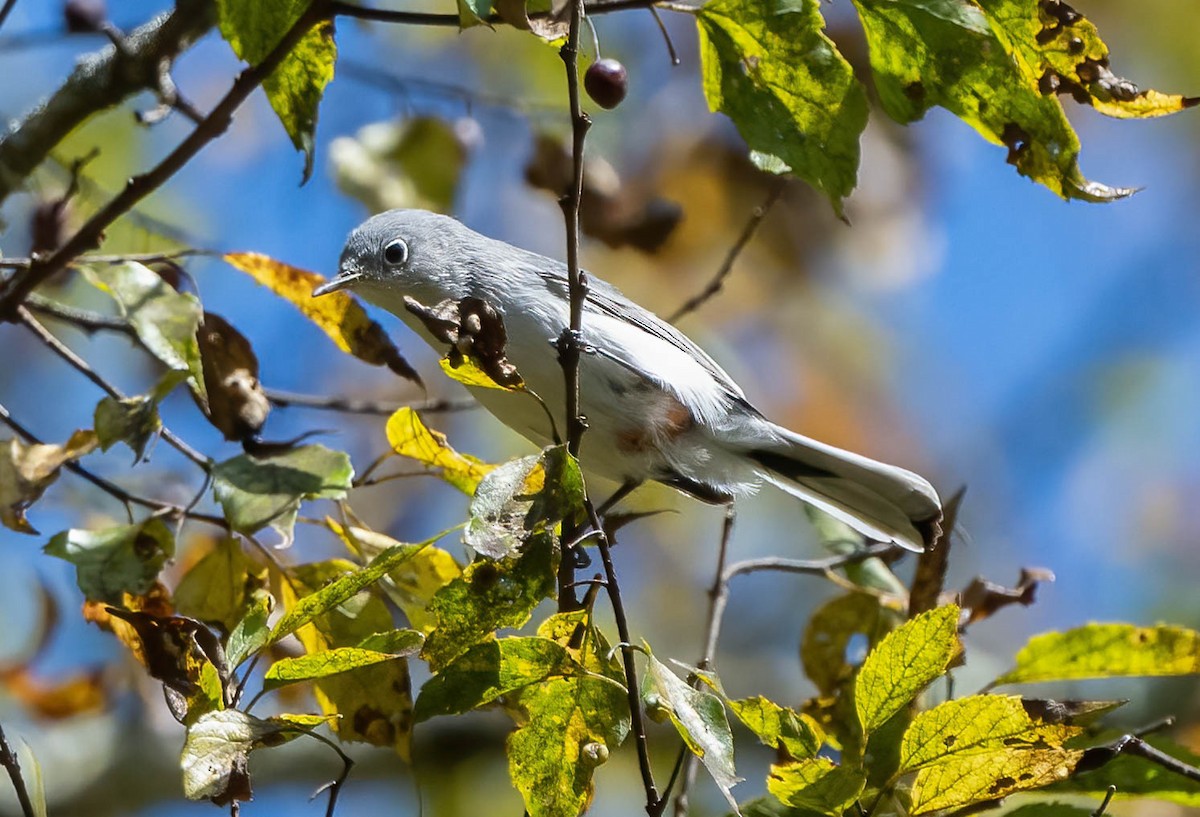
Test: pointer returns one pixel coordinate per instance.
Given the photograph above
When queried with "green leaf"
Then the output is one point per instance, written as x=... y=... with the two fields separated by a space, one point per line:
x=904 y=663
x=251 y=633
x=410 y=437
x=699 y=717
x=792 y=95
x=816 y=784
x=490 y=595
x=568 y=727
x=26 y=471
x=341 y=589
x=133 y=421
x=974 y=725
x=312 y=666
x=961 y=780
x=217 y=749
x=522 y=497
x=1106 y=651
x=1138 y=777
x=840 y=539
x=295 y=87
x=216 y=588
x=491 y=669
x=165 y=320
x=830 y=631
x=255 y=492
x=946 y=53
x=779 y=727
x=113 y=561
x=1064 y=49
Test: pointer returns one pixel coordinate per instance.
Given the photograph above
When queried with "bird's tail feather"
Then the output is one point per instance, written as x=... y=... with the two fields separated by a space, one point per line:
x=881 y=501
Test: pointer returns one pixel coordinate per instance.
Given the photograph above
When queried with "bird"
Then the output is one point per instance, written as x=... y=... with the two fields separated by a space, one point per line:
x=657 y=407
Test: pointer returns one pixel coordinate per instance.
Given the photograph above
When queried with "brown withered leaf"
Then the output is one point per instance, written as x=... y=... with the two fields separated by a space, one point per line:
x=236 y=404
x=932 y=564
x=982 y=598
x=338 y=314
x=1072 y=712
x=56 y=698
x=551 y=25
x=474 y=331
x=616 y=213
x=26 y=471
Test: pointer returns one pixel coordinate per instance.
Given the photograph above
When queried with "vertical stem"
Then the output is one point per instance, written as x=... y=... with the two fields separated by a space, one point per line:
x=8 y=759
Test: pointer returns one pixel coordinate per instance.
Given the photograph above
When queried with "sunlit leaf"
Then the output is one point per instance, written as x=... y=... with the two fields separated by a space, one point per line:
x=779 y=727
x=946 y=53
x=256 y=492
x=491 y=669
x=113 y=561
x=490 y=594
x=337 y=314
x=165 y=320
x=338 y=660
x=1106 y=651
x=133 y=421
x=816 y=784
x=699 y=717
x=792 y=95
x=26 y=471
x=974 y=725
x=905 y=662
x=294 y=88
x=217 y=588
x=1065 y=51
x=961 y=780
x=251 y=633
x=216 y=753
x=410 y=437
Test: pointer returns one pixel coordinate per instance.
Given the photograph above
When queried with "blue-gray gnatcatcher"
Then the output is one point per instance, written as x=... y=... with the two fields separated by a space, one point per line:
x=657 y=407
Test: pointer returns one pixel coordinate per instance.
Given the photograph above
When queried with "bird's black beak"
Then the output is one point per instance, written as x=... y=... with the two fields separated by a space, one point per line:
x=345 y=279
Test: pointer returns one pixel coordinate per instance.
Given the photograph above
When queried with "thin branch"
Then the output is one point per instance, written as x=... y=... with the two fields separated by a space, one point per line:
x=8 y=758
x=718 y=596
x=418 y=18
x=810 y=567
x=1133 y=745
x=137 y=188
x=383 y=408
x=112 y=489
x=95 y=258
x=83 y=319
x=100 y=81
x=1108 y=796
x=4 y=12
x=718 y=280
x=62 y=350
x=662 y=28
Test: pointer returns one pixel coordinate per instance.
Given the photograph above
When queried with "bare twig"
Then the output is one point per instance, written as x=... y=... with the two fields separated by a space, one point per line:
x=1108 y=796
x=141 y=258
x=383 y=408
x=4 y=12
x=81 y=365
x=718 y=595
x=137 y=188
x=1133 y=745
x=8 y=758
x=417 y=18
x=674 y=55
x=718 y=280
x=371 y=74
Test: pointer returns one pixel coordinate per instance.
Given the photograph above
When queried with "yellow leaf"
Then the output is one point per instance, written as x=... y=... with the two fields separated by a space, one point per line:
x=469 y=373
x=410 y=437
x=1106 y=651
x=338 y=315
x=964 y=779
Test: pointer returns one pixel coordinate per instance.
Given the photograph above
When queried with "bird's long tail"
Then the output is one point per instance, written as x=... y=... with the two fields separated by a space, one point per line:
x=881 y=501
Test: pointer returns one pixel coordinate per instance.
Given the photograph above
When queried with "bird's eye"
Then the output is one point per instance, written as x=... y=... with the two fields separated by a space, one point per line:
x=396 y=252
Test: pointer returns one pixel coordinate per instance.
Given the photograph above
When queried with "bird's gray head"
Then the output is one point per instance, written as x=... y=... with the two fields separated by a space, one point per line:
x=403 y=252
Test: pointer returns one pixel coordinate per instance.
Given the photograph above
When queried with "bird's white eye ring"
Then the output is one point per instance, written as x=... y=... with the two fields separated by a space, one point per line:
x=395 y=252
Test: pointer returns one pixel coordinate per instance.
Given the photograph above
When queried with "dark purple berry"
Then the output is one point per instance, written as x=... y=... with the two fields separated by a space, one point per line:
x=82 y=16
x=606 y=82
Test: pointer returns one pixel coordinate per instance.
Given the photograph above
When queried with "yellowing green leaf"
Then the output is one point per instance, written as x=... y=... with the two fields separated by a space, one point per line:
x=974 y=725
x=337 y=660
x=568 y=727
x=165 y=320
x=133 y=421
x=830 y=631
x=295 y=87
x=779 y=727
x=1064 y=49
x=491 y=669
x=255 y=492
x=792 y=95
x=217 y=588
x=26 y=471
x=409 y=437
x=962 y=780
x=905 y=662
x=816 y=784
x=217 y=749
x=469 y=373
x=946 y=53
x=113 y=561
x=251 y=633
x=490 y=595
x=699 y=717
x=337 y=314
x=1106 y=651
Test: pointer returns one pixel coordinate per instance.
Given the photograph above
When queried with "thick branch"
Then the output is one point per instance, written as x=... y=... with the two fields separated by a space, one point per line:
x=100 y=81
